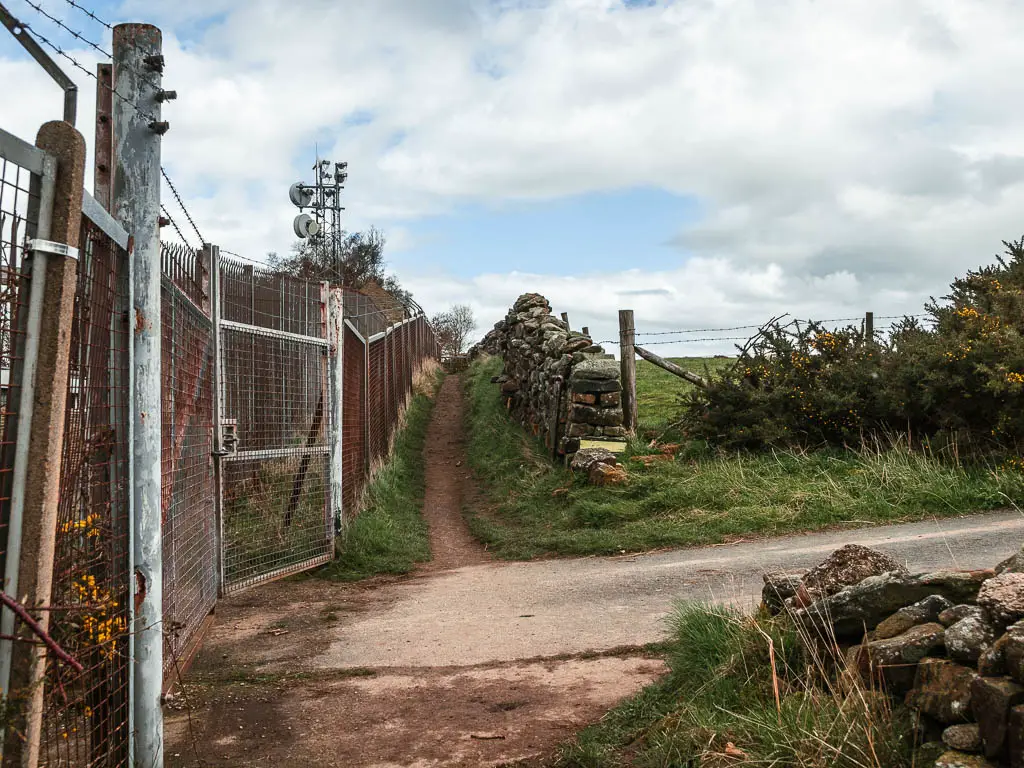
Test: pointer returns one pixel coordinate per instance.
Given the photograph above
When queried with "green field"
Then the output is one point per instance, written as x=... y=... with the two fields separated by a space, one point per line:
x=658 y=392
x=534 y=507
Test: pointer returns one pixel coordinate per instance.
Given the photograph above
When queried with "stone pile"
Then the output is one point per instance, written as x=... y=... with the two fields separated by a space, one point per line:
x=950 y=644
x=557 y=382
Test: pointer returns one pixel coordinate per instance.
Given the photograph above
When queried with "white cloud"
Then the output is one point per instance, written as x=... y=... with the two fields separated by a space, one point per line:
x=846 y=154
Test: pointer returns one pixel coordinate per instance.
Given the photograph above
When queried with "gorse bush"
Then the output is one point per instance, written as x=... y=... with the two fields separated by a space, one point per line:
x=955 y=381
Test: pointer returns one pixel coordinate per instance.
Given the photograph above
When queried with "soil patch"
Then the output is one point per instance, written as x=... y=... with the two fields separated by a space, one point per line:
x=509 y=714
x=449 y=483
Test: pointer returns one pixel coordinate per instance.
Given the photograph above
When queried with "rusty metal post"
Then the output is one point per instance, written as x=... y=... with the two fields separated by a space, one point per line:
x=138 y=67
x=104 y=125
x=55 y=263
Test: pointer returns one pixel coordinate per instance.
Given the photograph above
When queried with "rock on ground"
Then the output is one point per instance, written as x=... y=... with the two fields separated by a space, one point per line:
x=964 y=737
x=992 y=698
x=603 y=475
x=778 y=587
x=954 y=759
x=969 y=638
x=895 y=659
x=921 y=612
x=588 y=457
x=847 y=565
x=942 y=690
x=1003 y=597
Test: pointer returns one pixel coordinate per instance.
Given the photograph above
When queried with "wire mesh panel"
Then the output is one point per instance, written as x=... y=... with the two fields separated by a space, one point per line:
x=276 y=415
x=19 y=201
x=378 y=402
x=86 y=716
x=353 y=426
x=188 y=482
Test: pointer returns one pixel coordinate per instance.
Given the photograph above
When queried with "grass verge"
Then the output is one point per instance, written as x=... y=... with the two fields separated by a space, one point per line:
x=390 y=535
x=537 y=508
x=745 y=691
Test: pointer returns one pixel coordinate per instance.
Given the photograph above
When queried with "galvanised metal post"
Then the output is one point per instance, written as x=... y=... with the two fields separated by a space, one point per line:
x=138 y=68
x=212 y=254
x=335 y=337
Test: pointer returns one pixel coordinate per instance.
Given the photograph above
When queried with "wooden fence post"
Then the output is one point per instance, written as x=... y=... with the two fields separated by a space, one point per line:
x=869 y=326
x=627 y=361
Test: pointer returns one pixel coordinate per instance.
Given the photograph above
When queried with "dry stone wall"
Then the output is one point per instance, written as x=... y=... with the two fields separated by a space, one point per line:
x=557 y=382
x=948 y=644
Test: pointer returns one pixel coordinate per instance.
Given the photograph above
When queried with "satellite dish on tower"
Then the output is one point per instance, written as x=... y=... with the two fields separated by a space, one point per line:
x=305 y=226
x=300 y=195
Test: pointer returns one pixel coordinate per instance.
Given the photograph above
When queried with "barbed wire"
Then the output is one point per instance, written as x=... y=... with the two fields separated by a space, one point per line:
x=175 y=225
x=95 y=46
x=754 y=327
x=75 y=34
x=737 y=328
x=75 y=63
x=681 y=341
x=249 y=259
x=181 y=203
x=90 y=14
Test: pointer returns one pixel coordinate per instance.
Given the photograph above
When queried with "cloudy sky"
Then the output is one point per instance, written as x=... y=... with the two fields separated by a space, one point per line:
x=707 y=163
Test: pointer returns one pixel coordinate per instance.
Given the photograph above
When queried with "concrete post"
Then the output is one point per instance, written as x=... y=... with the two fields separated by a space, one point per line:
x=59 y=273
x=138 y=67
x=627 y=363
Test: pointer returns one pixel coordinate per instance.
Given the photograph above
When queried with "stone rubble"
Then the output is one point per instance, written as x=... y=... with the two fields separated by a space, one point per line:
x=950 y=644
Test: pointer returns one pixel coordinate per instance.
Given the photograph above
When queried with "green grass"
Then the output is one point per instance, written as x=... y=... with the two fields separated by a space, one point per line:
x=390 y=535
x=536 y=507
x=720 y=692
x=658 y=392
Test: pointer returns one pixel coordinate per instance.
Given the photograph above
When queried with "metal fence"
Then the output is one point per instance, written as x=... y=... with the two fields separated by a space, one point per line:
x=190 y=540
x=271 y=430
x=276 y=404
x=86 y=721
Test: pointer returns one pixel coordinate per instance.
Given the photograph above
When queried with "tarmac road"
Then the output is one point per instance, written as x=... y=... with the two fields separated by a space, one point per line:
x=500 y=612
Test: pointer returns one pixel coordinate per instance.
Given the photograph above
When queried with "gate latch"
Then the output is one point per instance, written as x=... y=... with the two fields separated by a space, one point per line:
x=228 y=437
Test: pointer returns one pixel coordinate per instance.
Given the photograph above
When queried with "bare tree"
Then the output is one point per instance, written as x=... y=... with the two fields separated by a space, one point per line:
x=453 y=328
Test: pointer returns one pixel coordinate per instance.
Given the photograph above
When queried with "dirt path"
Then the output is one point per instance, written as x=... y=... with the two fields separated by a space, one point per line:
x=266 y=689
x=448 y=479
x=475 y=663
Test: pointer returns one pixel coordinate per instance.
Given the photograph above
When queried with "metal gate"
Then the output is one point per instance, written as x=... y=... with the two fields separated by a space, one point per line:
x=274 y=418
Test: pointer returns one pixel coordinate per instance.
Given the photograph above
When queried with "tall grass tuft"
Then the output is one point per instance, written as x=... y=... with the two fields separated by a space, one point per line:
x=748 y=691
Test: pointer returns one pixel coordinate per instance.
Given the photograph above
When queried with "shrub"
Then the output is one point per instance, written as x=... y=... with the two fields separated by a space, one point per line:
x=956 y=381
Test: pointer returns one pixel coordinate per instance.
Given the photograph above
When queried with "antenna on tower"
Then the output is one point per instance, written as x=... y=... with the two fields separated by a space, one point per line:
x=323 y=197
